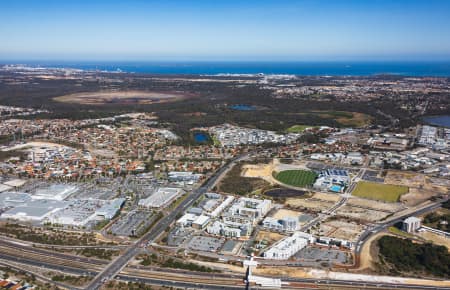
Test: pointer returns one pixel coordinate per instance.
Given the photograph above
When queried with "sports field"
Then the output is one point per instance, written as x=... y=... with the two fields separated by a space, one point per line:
x=298 y=178
x=378 y=191
x=298 y=128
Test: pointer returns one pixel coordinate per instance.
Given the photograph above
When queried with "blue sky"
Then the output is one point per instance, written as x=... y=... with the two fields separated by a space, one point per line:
x=225 y=30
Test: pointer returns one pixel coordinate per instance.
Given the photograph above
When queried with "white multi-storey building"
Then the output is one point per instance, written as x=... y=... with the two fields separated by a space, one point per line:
x=287 y=247
x=411 y=224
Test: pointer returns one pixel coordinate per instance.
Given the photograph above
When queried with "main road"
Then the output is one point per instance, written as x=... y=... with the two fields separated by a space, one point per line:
x=119 y=263
x=384 y=225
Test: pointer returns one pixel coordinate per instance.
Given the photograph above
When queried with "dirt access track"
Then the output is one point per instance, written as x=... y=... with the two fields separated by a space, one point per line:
x=123 y=97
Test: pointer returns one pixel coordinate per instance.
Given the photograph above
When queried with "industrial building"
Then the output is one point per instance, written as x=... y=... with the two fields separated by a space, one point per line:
x=181 y=176
x=161 y=197
x=34 y=210
x=55 y=192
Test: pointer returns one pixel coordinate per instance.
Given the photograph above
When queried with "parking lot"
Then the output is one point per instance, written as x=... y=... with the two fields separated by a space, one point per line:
x=371 y=175
x=133 y=223
x=322 y=255
x=205 y=244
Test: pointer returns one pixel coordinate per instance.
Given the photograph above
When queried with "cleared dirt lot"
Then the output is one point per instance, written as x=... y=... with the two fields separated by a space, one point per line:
x=341 y=229
x=265 y=171
x=269 y=237
x=375 y=205
x=318 y=202
x=122 y=97
x=405 y=178
x=421 y=187
x=309 y=204
x=435 y=239
x=326 y=196
x=281 y=213
x=361 y=213
x=416 y=196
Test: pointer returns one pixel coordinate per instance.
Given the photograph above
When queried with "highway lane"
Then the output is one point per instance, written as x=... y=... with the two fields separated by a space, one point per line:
x=47 y=265
x=168 y=280
x=38 y=276
x=63 y=247
x=180 y=284
x=342 y=284
x=9 y=247
x=118 y=264
x=363 y=284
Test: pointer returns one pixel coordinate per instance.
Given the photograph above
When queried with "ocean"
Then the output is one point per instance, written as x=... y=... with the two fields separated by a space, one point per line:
x=337 y=68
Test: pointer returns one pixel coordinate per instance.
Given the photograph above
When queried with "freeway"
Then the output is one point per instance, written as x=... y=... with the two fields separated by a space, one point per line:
x=38 y=276
x=171 y=277
x=118 y=264
x=11 y=247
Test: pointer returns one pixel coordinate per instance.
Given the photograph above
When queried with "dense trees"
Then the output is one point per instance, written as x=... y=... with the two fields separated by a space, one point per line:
x=210 y=107
x=234 y=183
x=405 y=256
x=152 y=259
x=439 y=221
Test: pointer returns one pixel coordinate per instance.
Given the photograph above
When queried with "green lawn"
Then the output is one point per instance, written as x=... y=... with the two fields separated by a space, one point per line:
x=378 y=191
x=298 y=128
x=298 y=178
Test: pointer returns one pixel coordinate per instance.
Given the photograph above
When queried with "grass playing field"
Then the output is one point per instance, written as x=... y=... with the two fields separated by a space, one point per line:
x=378 y=191
x=298 y=178
x=298 y=128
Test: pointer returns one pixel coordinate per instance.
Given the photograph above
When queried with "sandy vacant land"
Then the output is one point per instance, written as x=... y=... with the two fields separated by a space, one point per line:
x=416 y=196
x=410 y=179
x=435 y=239
x=440 y=182
x=281 y=213
x=263 y=171
x=122 y=97
x=309 y=203
x=421 y=187
x=376 y=205
x=361 y=213
x=269 y=237
x=326 y=196
x=318 y=202
x=339 y=229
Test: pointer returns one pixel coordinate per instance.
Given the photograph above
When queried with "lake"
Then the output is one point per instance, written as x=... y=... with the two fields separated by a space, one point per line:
x=200 y=137
x=243 y=107
x=442 y=121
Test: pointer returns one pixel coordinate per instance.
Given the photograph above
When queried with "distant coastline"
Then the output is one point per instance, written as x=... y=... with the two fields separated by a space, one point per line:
x=336 y=68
